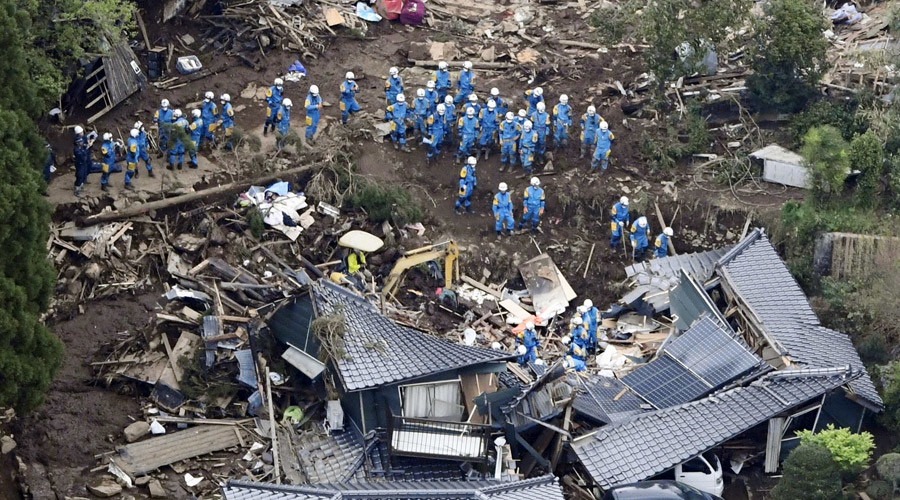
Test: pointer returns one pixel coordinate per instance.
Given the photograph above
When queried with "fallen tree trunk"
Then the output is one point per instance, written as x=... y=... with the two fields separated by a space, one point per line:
x=175 y=201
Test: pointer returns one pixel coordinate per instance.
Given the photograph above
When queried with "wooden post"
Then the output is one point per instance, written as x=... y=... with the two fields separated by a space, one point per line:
x=272 y=428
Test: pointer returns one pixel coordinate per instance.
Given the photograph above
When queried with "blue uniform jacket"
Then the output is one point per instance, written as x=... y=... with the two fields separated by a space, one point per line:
x=466 y=81
x=283 y=119
x=347 y=92
x=533 y=198
x=502 y=204
x=561 y=115
x=273 y=97
x=226 y=116
x=392 y=87
x=510 y=131
x=467 y=180
x=441 y=79
x=420 y=107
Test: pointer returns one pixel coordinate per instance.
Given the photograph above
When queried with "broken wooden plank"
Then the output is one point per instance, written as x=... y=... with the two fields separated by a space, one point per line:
x=143 y=457
x=481 y=286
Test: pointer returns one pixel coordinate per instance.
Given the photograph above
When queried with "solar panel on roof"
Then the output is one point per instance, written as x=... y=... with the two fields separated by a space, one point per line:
x=712 y=353
x=664 y=382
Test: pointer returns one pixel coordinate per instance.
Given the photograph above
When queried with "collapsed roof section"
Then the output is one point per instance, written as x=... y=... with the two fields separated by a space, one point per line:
x=652 y=279
x=673 y=435
x=380 y=351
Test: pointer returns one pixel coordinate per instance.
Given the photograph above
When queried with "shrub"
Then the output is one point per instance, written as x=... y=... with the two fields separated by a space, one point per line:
x=255 y=220
x=381 y=203
x=879 y=490
x=680 y=138
x=840 y=115
x=888 y=467
x=810 y=473
x=826 y=154
x=850 y=451
x=867 y=156
x=891 y=395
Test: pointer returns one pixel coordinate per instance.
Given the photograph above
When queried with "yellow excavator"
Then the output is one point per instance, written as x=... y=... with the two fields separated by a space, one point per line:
x=447 y=250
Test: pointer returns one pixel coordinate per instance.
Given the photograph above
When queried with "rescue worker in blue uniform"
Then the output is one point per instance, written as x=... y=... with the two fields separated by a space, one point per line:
x=226 y=121
x=420 y=113
x=502 y=108
x=503 y=210
x=473 y=103
x=619 y=220
x=467 y=183
x=313 y=107
x=431 y=96
x=132 y=150
x=528 y=340
x=195 y=132
x=489 y=123
x=436 y=125
x=274 y=95
x=521 y=117
x=283 y=122
x=579 y=335
x=540 y=120
x=468 y=131
x=143 y=148
x=107 y=159
x=393 y=85
x=661 y=245
x=602 y=150
x=638 y=237
x=348 y=97
x=590 y=122
x=562 y=120
x=209 y=112
x=465 y=84
x=179 y=123
x=451 y=119
x=591 y=317
x=163 y=120
x=82 y=156
x=397 y=114
x=527 y=143
x=510 y=131
x=577 y=364
x=532 y=97
x=532 y=205
x=441 y=80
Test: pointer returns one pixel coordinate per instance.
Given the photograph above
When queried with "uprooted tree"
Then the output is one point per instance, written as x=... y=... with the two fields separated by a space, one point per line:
x=29 y=353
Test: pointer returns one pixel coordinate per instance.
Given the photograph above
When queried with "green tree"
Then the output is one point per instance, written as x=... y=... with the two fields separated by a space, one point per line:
x=787 y=54
x=29 y=353
x=888 y=466
x=867 y=156
x=810 y=473
x=891 y=396
x=827 y=156
x=851 y=451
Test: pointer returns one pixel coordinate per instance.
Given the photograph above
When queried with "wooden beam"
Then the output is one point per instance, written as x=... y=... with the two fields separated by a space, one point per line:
x=140 y=21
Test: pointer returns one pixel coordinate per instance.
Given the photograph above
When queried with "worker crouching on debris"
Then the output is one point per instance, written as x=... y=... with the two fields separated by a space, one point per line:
x=144 y=147
x=283 y=122
x=603 y=149
x=178 y=127
x=661 y=245
x=396 y=113
x=532 y=205
x=528 y=343
x=353 y=265
x=510 y=132
x=572 y=362
x=226 y=120
x=348 y=97
x=638 y=237
x=467 y=183
x=313 y=107
x=503 y=210
x=274 y=95
x=619 y=220
x=195 y=131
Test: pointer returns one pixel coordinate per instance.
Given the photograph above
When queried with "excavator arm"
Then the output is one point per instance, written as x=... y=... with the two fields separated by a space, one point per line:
x=447 y=250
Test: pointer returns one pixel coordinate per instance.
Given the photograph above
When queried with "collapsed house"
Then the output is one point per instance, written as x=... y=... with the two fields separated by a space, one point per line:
x=747 y=357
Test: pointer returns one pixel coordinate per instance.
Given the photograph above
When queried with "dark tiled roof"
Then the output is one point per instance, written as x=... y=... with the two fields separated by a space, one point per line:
x=754 y=270
x=651 y=443
x=653 y=279
x=331 y=457
x=539 y=488
x=383 y=352
x=605 y=399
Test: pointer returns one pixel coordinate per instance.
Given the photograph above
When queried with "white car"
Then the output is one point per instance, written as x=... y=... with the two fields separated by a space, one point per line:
x=703 y=472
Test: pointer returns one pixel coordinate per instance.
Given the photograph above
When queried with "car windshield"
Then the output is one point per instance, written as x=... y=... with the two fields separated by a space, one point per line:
x=691 y=493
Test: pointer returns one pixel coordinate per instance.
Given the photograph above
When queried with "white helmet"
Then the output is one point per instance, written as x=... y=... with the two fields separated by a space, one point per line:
x=288 y=103
x=467 y=65
x=604 y=125
x=209 y=95
x=529 y=325
x=177 y=113
x=502 y=187
x=350 y=75
x=429 y=84
x=401 y=98
x=541 y=106
x=535 y=181
x=592 y=110
x=470 y=111
x=448 y=100
x=138 y=125
x=107 y=136
x=279 y=82
x=164 y=103
x=420 y=93
x=441 y=109
x=624 y=200
x=473 y=97
x=668 y=231
x=564 y=99
x=539 y=362
x=581 y=309
x=588 y=303
x=471 y=160
x=527 y=125
x=538 y=91
x=442 y=65
x=314 y=89
x=225 y=98
x=522 y=113
x=510 y=116
x=497 y=345
x=576 y=320
x=134 y=132
x=521 y=350
x=393 y=71
x=195 y=113
x=491 y=104
x=79 y=129
x=565 y=339
x=642 y=221
x=495 y=91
